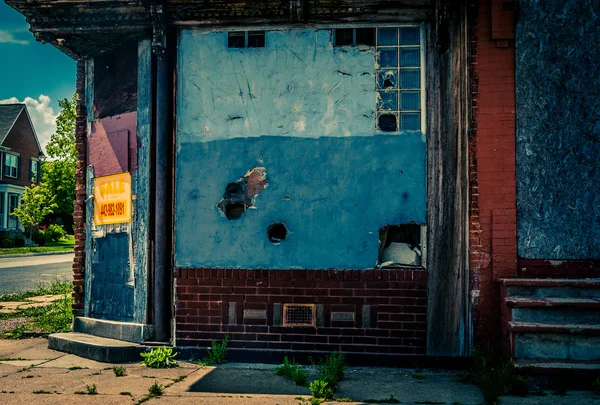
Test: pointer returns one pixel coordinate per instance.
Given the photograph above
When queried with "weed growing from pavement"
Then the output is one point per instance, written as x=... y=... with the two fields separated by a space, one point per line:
x=292 y=370
x=155 y=390
x=12 y=359
x=126 y=393
x=493 y=375
x=41 y=392
x=161 y=357
x=77 y=368
x=217 y=353
x=119 y=371
x=596 y=386
x=57 y=287
x=89 y=390
x=418 y=376
x=320 y=389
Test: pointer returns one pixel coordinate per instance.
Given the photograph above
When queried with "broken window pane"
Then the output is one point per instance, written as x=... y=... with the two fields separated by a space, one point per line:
x=365 y=36
x=387 y=123
x=400 y=245
x=387 y=37
x=388 y=100
x=256 y=39
x=343 y=36
x=387 y=79
x=236 y=39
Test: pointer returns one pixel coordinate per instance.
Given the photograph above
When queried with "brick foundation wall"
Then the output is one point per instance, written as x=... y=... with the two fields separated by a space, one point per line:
x=358 y=311
x=79 y=204
x=492 y=149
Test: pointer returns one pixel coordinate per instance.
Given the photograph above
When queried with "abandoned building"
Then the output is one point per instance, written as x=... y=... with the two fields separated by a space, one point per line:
x=397 y=180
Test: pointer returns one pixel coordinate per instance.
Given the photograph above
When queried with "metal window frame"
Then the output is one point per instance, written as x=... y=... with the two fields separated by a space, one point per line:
x=313 y=313
x=6 y=165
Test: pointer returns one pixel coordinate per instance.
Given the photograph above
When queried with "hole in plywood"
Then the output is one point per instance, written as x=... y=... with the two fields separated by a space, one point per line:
x=299 y=315
x=401 y=245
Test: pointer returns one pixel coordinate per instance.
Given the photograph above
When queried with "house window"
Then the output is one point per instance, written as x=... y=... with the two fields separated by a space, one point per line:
x=354 y=36
x=35 y=171
x=11 y=165
x=13 y=202
x=246 y=39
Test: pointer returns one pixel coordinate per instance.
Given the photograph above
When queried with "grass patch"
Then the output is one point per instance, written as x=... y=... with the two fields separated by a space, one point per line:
x=493 y=375
x=63 y=245
x=418 y=376
x=77 y=368
x=89 y=390
x=293 y=371
x=57 y=287
x=12 y=359
x=331 y=369
x=217 y=353
x=119 y=371
x=389 y=400
x=161 y=357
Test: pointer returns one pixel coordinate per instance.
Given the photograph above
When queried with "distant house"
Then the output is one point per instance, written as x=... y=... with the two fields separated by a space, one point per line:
x=20 y=154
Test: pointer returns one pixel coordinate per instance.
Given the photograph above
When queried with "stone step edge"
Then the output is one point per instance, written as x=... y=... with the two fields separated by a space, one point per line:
x=557 y=367
x=541 y=327
x=549 y=282
x=585 y=303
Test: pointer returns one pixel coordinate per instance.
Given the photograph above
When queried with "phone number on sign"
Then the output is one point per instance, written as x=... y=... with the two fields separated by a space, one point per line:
x=112 y=209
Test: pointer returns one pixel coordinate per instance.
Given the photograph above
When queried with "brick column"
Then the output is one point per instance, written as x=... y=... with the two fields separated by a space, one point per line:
x=80 y=185
x=492 y=160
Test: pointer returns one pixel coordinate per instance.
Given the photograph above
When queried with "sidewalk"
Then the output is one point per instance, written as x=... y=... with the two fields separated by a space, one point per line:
x=30 y=373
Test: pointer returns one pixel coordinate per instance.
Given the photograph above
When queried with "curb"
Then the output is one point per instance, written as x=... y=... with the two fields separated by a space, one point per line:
x=67 y=252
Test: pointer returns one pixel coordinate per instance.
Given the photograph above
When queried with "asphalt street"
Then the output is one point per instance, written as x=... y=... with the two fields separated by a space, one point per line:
x=20 y=274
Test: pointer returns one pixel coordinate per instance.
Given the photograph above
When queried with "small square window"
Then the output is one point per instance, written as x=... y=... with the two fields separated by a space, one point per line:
x=365 y=36
x=410 y=121
x=410 y=57
x=387 y=79
x=388 y=101
x=236 y=39
x=387 y=37
x=388 y=57
x=344 y=36
x=387 y=123
x=410 y=36
x=410 y=79
x=256 y=39
x=410 y=100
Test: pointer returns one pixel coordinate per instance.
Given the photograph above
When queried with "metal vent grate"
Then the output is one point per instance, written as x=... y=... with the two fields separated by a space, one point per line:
x=299 y=315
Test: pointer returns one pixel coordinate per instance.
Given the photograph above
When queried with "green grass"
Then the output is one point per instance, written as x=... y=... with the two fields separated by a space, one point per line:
x=119 y=371
x=63 y=245
x=217 y=354
x=293 y=371
x=57 y=287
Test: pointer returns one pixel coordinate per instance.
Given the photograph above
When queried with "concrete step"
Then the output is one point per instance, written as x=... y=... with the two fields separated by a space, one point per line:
x=557 y=367
x=545 y=302
x=557 y=346
x=539 y=327
x=96 y=348
x=128 y=331
x=552 y=288
x=556 y=315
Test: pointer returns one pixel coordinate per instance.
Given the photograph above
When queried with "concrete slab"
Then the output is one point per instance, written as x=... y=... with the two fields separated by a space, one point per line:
x=29 y=349
x=95 y=348
x=70 y=360
x=572 y=398
x=23 y=363
x=45 y=399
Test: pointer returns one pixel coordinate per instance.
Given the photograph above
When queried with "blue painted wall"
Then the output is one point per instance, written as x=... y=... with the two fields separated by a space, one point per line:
x=558 y=129
x=305 y=111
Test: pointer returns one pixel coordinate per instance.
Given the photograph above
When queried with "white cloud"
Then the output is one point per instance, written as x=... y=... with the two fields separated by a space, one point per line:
x=8 y=38
x=42 y=116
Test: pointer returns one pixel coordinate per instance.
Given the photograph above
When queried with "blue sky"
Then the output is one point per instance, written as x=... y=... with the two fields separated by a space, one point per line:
x=31 y=72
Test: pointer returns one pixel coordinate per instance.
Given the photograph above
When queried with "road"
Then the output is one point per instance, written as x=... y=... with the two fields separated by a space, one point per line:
x=20 y=274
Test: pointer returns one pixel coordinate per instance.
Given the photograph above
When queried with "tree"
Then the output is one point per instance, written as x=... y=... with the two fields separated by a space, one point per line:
x=58 y=173
x=37 y=202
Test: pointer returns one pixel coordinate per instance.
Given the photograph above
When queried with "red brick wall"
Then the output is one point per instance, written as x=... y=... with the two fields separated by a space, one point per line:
x=397 y=315
x=21 y=140
x=79 y=204
x=493 y=216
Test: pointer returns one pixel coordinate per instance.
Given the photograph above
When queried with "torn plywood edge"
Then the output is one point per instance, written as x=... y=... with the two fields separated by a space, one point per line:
x=241 y=194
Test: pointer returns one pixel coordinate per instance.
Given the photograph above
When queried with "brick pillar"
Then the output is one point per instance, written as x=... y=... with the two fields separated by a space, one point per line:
x=80 y=192
x=492 y=161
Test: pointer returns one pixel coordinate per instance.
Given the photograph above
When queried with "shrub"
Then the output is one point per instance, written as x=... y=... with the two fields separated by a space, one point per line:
x=19 y=242
x=119 y=371
x=332 y=368
x=321 y=389
x=293 y=371
x=56 y=232
x=161 y=357
x=40 y=237
x=218 y=353
x=7 y=242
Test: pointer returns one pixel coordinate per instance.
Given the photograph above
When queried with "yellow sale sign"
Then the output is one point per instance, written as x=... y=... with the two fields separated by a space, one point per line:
x=112 y=199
